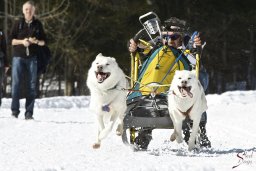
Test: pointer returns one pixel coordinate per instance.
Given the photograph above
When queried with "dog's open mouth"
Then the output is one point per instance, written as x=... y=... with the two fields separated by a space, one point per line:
x=185 y=91
x=102 y=76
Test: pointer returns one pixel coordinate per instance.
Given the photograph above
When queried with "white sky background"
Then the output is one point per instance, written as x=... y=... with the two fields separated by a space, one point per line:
x=61 y=137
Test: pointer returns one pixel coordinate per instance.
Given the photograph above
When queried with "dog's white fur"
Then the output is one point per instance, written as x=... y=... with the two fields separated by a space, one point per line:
x=181 y=101
x=107 y=92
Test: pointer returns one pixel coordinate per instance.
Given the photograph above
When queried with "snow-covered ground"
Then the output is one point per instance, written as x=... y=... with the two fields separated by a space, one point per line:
x=61 y=137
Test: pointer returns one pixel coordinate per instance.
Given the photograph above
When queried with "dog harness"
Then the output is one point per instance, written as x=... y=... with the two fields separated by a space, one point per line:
x=184 y=113
x=187 y=112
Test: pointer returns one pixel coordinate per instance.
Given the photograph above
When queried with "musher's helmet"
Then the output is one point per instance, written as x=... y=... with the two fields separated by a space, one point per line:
x=174 y=24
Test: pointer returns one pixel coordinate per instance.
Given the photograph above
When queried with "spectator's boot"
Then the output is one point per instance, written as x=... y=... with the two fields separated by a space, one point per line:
x=15 y=114
x=28 y=116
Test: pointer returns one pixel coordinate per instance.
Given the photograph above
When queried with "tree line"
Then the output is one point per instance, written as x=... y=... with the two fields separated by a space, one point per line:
x=78 y=30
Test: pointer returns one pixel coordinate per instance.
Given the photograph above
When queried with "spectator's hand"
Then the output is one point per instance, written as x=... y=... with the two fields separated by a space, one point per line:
x=197 y=41
x=33 y=40
x=26 y=42
x=132 y=46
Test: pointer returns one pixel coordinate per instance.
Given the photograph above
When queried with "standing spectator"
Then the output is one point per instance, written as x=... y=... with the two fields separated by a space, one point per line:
x=26 y=37
x=3 y=62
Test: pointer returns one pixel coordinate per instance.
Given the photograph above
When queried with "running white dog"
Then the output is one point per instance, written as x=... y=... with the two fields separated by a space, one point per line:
x=186 y=99
x=108 y=86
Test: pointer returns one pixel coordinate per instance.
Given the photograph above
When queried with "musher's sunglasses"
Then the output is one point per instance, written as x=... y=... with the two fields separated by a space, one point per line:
x=174 y=36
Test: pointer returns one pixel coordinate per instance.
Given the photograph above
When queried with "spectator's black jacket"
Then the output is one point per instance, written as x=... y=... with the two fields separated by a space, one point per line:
x=22 y=30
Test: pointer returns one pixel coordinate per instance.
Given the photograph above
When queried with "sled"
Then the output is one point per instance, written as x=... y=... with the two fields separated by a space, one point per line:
x=147 y=102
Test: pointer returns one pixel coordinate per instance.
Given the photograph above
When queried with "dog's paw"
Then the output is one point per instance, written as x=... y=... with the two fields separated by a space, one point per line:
x=179 y=139
x=96 y=146
x=190 y=148
x=118 y=133
x=119 y=130
x=191 y=145
x=173 y=137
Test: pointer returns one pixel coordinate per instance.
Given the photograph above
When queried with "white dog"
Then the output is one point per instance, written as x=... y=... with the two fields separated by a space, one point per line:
x=108 y=86
x=186 y=99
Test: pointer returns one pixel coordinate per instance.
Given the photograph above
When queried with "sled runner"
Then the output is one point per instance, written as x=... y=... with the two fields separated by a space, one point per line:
x=147 y=101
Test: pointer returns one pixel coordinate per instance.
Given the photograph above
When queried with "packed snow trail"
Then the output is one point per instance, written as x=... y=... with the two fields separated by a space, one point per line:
x=62 y=134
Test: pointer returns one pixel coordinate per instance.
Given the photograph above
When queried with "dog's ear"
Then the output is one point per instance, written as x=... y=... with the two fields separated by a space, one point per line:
x=193 y=72
x=114 y=59
x=177 y=71
x=100 y=54
x=171 y=88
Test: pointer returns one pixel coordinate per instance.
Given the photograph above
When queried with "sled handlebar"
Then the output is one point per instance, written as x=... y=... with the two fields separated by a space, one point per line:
x=139 y=35
x=198 y=49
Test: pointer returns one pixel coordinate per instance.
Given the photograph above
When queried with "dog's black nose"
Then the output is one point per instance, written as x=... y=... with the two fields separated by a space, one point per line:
x=184 y=82
x=99 y=67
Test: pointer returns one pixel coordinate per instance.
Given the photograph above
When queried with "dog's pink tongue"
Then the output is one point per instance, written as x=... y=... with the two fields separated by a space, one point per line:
x=186 y=92
x=183 y=92
x=100 y=77
x=190 y=94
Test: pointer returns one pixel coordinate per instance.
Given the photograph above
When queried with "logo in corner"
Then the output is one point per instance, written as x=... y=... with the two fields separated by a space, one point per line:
x=244 y=157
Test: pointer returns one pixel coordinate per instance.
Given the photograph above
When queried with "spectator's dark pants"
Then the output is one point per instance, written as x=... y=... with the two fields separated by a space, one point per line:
x=21 y=66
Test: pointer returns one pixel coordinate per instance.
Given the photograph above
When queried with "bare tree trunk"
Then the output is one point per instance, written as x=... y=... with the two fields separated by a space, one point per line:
x=69 y=77
x=219 y=83
x=251 y=68
x=59 y=84
x=224 y=62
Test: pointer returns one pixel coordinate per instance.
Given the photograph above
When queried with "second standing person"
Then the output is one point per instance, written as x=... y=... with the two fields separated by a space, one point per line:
x=3 y=62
